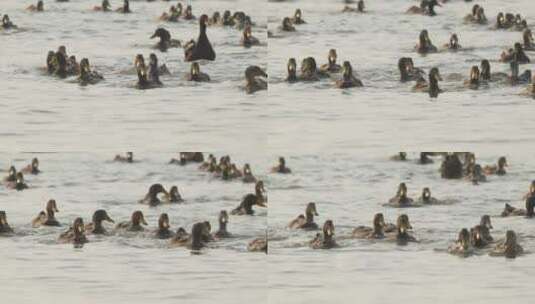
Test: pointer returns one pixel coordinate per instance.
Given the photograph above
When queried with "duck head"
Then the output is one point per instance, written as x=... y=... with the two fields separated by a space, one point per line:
x=161 y=33
x=156 y=189
x=402 y=190
x=195 y=70
x=19 y=180
x=141 y=68
x=311 y=212
x=106 y=5
x=12 y=174
x=98 y=217
x=347 y=70
x=500 y=20
x=298 y=14
x=247 y=33
x=51 y=208
x=247 y=170
x=129 y=157
x=328 y=229
x=153 y=61
x=197 y=232
x=287 y=24
x=5 y=20
x=40 y=6
x=406 y=69
x=126 y=6
x=480 y=14
x=474 y=75
x=463 y=239
x=223 y=219
x=252 y=72
x=403 y=224
x=216 y=17
x=189 y=12
x=138 y=219
x=78 y=228
x=474 y=9
x=226 y=16
x=308 y=67
x=402 y=155
x=360 y=6
x=502 y=162
x=424 y=39
x=426 y=194
x=292 y=69
x=454 y=41
x=163 y=222
x=378 y=222
x=511 y=244
x=260 y=193
x=434 y=75
x=485 y=222
x=485 y=69
x=4 y=225
x=528 y=37
x=174 y=195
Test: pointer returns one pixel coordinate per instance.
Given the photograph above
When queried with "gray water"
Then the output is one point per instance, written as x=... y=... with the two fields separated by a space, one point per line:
x=336 y=141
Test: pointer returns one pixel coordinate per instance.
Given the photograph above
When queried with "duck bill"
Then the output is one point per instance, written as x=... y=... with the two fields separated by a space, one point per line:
x=110 y=220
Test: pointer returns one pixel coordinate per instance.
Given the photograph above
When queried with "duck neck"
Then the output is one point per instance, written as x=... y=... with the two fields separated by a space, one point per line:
x=378 y=229
x=309 y=217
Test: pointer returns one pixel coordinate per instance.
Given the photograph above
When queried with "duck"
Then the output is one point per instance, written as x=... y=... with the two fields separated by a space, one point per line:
x=75 y=234
x=298 y=17
x=151 y=198
x=227 y=20
x=375 y=232
x=174 y=195
x=498 y=169
x=155 y=70
x=402 y=235
x=434 y=78
x=401 y=156
x=248 y=176
x=527 y=38
x=453 y=44
x=188 y=13
x=348 y=80
x=134 y=225
x=477 y=176
x=462 y=247
x=331 y=66
x=516 y=54
x=510 y=248
x=165 y=42
x=252 y=82
x=7 y=24
x=57 y=63
x=195 y=74
x=476 y=238
x=425 y=45
x=198 y=231
x=427 y=199
x=250 y=200
x=292 y=70
x=427 y=7
x=309 y=71
x=47 y=217
x=474 y=81
x=144 y=81
x=287 y=25
x=401 y=199
x=360 y=8
x=486 y=74
x=105 y=7
x=515 y=78
x=477 y=16
x=128 y=158
x=39 y=7
x=4 y=225
x=325 y=241
x=223 y=221
x=306 y=222
x=258 y=245
x=39 y=219
x=188 y=157
x=215 y=19
x=96 y=227
x=87 y=76
x=407 y=70
x=18 y=184
x=451 y=167
x=281 y=167
x=12 y=175
x=163 y=231
x=248 y=39
x=125 y=9
x=485 y=227
x=174 y=13
x=512 y=211
x=181 y=238
x=202 y=49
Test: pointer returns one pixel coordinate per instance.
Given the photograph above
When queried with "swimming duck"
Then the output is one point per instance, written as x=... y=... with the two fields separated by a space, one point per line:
x=401 y=199
x=75 y=234
x=281 y=167
x=7 y=24
x=18 y=184
x=96 y=227
x=50 y=219
x=250 y=200
x=451 y=167
x=425 y=45
x=129 y=158
x=298 y=18
x=426 y=198
x=517 y=54
x=198 y=231
x=308 y=223
x=223 y=221
x=497 y=169
x=87 y=76
x=105 y=7
x=165 y=40
x=163 y=231
x=202 y=49
x=434 y=78
x=258 y=245
x=181 y=238
x=512 y=211
x=331 y=66
x=248 y=176
x=407 y=70
x=474 y=81
x=477 y=16
x=36 y=8
x=375 y=232
x=252 y=82
x=515 y=78
x=309 y=71
x=485 y=226
x=4 y=225
x=174 y=195
x=292 y=70
x=462 y=246
x=348 y=80
x=173 y=15
x=215 y=19
x=134 y=224
x=12 y=175
x=402 y=234
x=527 y=38
x=510 y=248
x=287 y=25
x=453 y=44
x=477 y=175
x=57 y=63
x=486 y=74
x=195 y=74
x=188 y=14
x=247 y=39
x=325 y=241
x=142 y=74
x=125 y=9
x=151 y=198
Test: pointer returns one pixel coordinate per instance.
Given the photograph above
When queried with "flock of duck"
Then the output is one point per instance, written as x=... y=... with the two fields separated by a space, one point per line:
x=201 y=232
x=470 y=241
x=478 y=76
x=60 y=64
